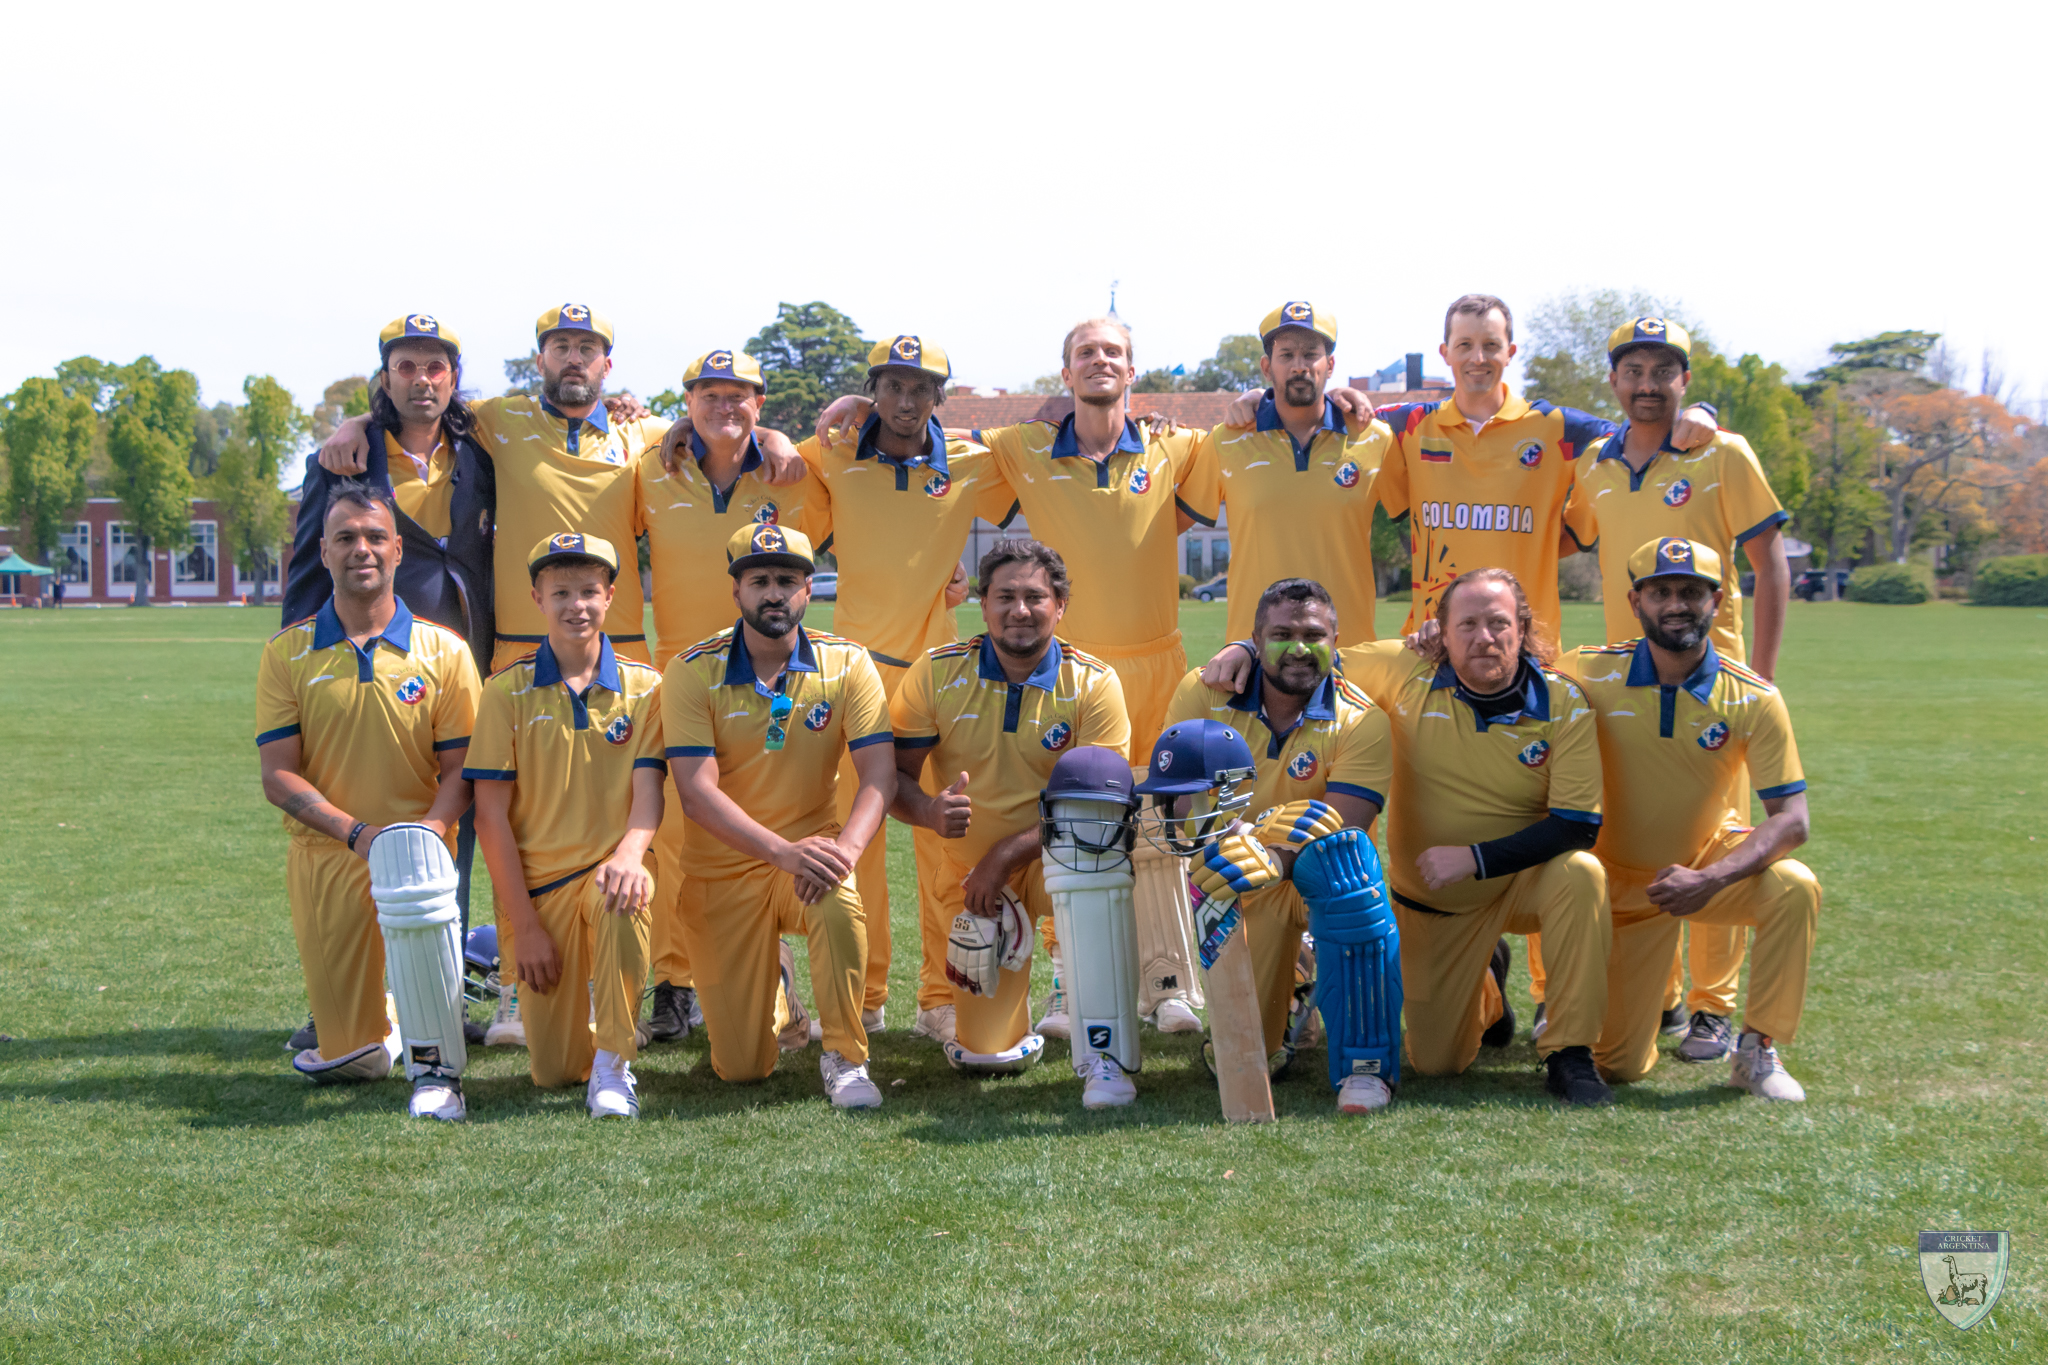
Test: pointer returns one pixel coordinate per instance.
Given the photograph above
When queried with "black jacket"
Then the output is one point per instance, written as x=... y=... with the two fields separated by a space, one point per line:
x=449 y=585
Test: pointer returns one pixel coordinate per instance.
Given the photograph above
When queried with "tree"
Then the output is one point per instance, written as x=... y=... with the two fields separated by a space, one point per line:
x=1046 y=384
x=1564 y=345
x=1157 y=381
x=1945 y=450
x=523 y=376
x=211 y=428
x=269 y=430
x=811 y=354
x=1840 y=508
x=1235 y=366
x=49 y=435
x=150 y=441
x=1893 y=354
x=2023 y=516
x=1754 y=399
x=343 y=399
x=97 y=381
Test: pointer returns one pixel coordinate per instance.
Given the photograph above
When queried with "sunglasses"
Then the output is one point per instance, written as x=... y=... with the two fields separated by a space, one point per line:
x=434 y=370
x=778 y=721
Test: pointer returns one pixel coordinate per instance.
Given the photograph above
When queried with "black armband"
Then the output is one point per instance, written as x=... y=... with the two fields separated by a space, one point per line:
x=1539 y=843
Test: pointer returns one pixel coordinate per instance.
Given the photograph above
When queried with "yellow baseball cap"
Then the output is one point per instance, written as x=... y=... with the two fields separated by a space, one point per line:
x=909 y=353
x=1306 y=316
x=423 y=326
x=571 y=545
x=573 y=317
x=757 y=544
x=1674 y=557
x=1649 y=332
x=736 y=366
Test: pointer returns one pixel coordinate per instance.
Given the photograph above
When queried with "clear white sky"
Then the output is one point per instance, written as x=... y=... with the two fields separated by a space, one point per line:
x=243 y=189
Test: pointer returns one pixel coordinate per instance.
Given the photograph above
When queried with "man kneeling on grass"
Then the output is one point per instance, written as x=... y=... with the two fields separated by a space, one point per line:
x=567 y=764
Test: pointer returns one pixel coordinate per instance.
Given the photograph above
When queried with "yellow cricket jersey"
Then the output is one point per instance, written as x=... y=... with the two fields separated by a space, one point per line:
x=688 y=522
x=1494 y=499
x=370 y=721
x=1716 y=495
x=897 y=528
x=1340 y=743
x=1466 y=774
x=555 y=474
x=957 y=703
x=569 y=756
x=1295 y=511
x=1671 y=755
x=423 y=496
x=714 y=705
x=1112 y=521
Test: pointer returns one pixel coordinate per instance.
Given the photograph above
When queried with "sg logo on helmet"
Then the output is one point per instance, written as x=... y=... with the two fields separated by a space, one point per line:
x=619 y=731
x=1534 y=754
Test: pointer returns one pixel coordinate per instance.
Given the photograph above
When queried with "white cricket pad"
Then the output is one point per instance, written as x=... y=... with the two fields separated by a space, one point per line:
x=413 y=881
x=1166 y=929
x=1098 y=936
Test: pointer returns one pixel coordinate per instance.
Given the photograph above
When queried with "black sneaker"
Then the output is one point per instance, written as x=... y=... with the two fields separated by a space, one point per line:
x=1538 y=1024
x=669 y=1021
x=473 y=1032
x=1674 y=1022
x=304 y=1038
x=1501 y=1031
x=1573 y=1078
x=1710 y=1038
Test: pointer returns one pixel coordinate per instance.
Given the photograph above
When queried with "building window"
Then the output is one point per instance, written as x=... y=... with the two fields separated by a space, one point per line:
x=74 y=554
x=1195 y=557
x=196 y=565
x=125 y=562
x=1219 y=555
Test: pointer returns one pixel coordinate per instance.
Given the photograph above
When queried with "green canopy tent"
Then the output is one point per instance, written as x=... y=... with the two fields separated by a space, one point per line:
x=10 y=569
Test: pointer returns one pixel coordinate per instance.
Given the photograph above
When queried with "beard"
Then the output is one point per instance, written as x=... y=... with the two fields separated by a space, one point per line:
x=773 y=619
x=1690 y=631
x=570 y=392
x=1300 y=392
x=1295 y=681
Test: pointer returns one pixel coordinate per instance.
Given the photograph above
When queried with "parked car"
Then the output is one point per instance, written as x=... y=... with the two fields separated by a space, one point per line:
x=1213 y=590
x=825 y=587
x=1813 y=585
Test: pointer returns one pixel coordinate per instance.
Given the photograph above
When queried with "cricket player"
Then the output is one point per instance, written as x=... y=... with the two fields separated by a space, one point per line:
x=756 y=720
x=362 y=717
x=1496 y=780
x=1298 y=481
x=1679 y=723
x=991 y=716
x=1314 y=737
x=567 y=762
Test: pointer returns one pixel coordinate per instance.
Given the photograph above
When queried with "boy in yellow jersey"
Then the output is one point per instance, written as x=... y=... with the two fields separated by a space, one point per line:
x=991 y=716
x=567 y=762
x=1679 y=724
x=1298 y=481
x=1314 y=736
x=894 y=500
x=362 y=716
x=756 y=719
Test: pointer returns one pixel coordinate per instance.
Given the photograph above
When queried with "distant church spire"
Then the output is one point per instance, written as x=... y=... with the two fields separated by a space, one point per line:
x=1114 y=317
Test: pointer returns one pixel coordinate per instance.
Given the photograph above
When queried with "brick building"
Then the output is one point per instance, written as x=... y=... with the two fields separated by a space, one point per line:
x=100 y=562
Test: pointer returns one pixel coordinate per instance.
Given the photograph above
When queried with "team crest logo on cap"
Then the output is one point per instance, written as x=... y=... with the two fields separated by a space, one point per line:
x=1675 y=551
x=938 y=485
x=1650 y=327
x=819 y=716
x=566 y=541
x=424 y=323
x=1141 y=480
x=767 y=514
x=1530 y=455
x=1303 y=766
x=412 y=689
x=768 y=538
x=1056 y=738
x=1534 y=754
x=619 y=731
x=1715 y=735
x=908 y=350
x=1347 y=474
x=575 y=312
x=1298 y=312
x=718 y=360
x=1679 y=494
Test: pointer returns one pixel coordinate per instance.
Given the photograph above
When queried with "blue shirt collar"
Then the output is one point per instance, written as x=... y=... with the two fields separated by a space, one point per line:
x=1619 y=442
x=749 y=462
x=1044 y=677
x=739 y=665
x=328 y=631
x=934 y=435
x=1642 y=672
x=1529 y=701
x=1066 y=445
x=598 y=417
x=1322 y=703
x=547 y=669
x=1269 y=416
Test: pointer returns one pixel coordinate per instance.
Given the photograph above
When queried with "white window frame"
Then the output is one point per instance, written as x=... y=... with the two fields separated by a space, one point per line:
x=119 y=539
x=76 y=542
x=207 y=539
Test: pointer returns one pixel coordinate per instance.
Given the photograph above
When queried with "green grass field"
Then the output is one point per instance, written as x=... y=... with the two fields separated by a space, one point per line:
x=171 y=1191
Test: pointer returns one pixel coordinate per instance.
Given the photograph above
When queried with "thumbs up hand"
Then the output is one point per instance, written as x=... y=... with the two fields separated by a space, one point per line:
x=953 y=810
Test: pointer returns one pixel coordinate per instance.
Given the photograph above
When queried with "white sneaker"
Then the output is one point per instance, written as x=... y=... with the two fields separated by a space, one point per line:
x=507 y=1029
x=847 y=1085
x=612 y=1094
x=1174 y=1016
x=796 y=1034
x=435 y=1096
x=370 y=1062
x=1363 y=1094
x=1055 y=1024
x=936 y=1025
x=1103 y=1083
x=1756 y=1069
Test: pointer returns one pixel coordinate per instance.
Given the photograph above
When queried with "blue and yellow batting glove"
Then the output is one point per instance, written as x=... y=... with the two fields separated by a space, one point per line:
x=1233 y=865
x=1296 y=823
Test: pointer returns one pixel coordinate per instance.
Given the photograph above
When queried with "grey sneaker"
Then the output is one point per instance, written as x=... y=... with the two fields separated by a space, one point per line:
x=669 y=1020
x=307 y=1037
x=1710 y=1038
x=507 y=1028
x=1756 y=1068
x=1675 y=1021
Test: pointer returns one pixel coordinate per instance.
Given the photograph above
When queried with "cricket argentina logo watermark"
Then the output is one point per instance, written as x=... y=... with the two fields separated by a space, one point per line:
x=1964 y=1273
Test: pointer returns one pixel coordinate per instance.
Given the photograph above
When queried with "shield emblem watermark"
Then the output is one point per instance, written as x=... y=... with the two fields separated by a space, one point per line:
x=1964 y=1273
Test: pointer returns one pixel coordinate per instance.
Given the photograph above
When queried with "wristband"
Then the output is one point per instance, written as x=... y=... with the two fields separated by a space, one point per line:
x=361 y=825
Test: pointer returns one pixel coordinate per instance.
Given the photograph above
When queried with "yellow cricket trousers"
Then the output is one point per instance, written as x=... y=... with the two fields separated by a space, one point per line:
x=604 y=967
x=732 y=925
x=1448 y=990
x=997 y=1023
x=1713 y=952
x=665 y=931
x=341 y=950
x=1274 y=919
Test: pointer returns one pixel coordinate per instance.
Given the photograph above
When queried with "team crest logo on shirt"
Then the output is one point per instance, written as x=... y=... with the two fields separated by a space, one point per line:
x=1347 y=474
x=819 y=716
x=1534 y=754
x=412 y=689
x=1141 y=480
x=1715 y=735
x=1679 y=494
x=619 y=731
x=938 y=485
x=1057 y=735
x=1530 y=454
x=767 y=515
x=1303 y=766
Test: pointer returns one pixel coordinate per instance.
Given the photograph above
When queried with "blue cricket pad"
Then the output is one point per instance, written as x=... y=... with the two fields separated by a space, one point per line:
x=1358 y=954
